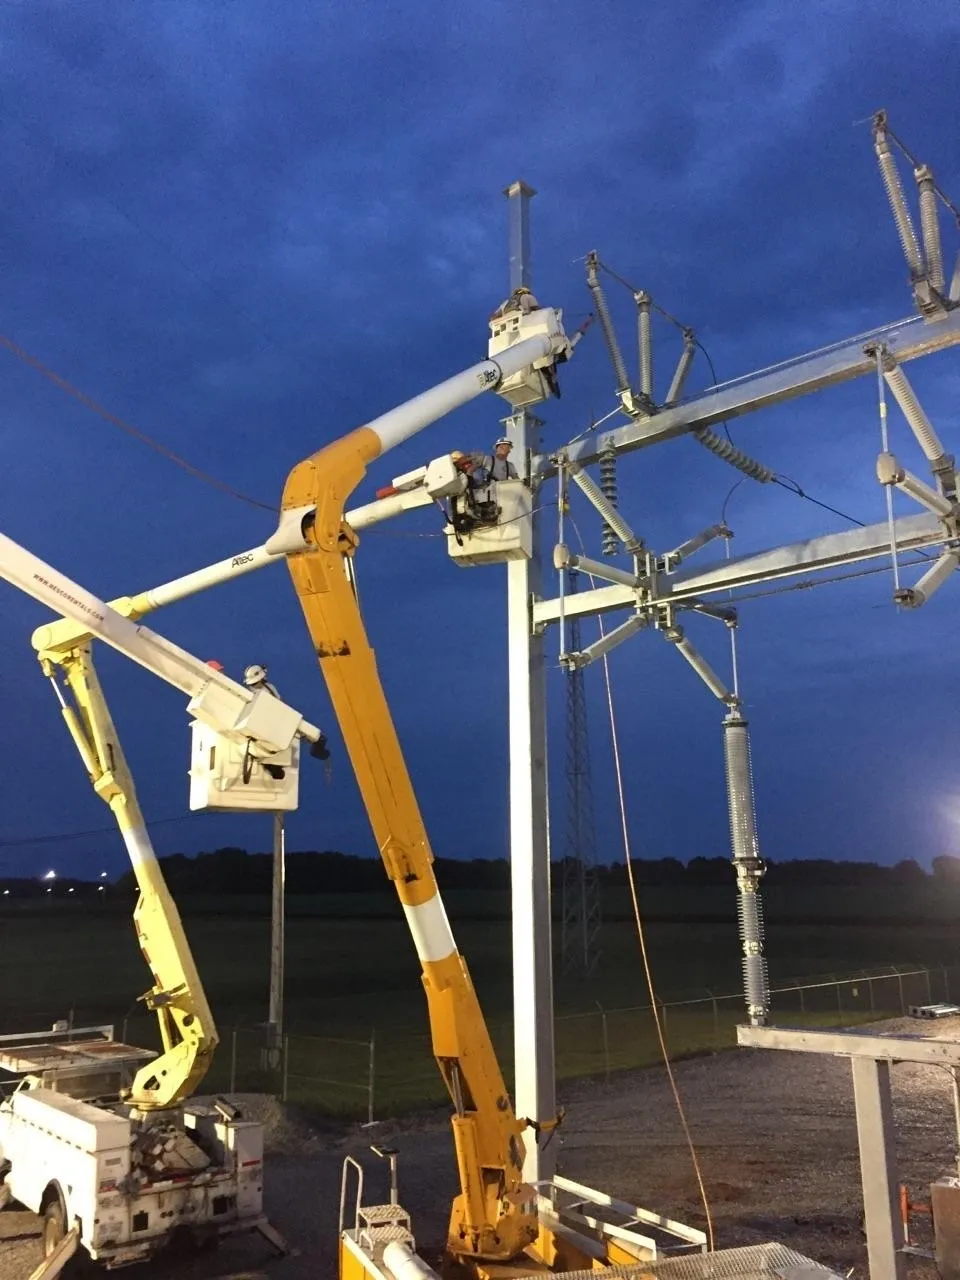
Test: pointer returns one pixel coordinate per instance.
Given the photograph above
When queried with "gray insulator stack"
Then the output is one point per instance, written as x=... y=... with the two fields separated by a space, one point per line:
x=682 y=369
x=912 y=410
x=898 y=205
x=727 y=452
x=645 y=338
x=608 y=487
x=930 y=226
x=748 y=865
x=606 y=324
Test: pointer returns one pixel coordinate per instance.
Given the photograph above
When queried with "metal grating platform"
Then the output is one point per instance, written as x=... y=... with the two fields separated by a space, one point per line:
x=35 y=1057
x=753 y=1262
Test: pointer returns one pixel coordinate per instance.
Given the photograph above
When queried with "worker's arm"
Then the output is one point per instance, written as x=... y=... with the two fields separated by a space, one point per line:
x=187 y=1031
x=494 y=1216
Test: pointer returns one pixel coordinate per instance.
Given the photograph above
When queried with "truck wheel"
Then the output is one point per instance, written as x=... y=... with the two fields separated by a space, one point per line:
x=54 y=1225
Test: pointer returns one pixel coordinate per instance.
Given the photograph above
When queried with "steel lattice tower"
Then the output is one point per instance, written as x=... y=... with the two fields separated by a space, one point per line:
x=580 y=889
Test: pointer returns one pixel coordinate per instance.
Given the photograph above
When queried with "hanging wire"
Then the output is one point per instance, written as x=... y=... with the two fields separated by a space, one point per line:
x=917 y=165
x=81 y=835
x=888 y=488
x=599 y=423
x=785 y=482
x=642 y=936
x=732 y=627
x=131 y=430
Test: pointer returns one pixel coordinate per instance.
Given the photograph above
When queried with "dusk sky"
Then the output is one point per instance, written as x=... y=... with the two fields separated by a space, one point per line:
x=246 y=228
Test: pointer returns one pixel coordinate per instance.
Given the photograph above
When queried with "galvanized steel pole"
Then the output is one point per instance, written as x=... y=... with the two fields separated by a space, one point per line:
x=533 y=1035
x=277 y=940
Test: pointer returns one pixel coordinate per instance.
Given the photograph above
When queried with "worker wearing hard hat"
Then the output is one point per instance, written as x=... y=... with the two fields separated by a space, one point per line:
x=255 y=677
x=498 y=465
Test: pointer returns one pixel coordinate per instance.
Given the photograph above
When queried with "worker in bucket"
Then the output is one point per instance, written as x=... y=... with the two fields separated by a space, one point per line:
x=498 y=465
x=255 y=677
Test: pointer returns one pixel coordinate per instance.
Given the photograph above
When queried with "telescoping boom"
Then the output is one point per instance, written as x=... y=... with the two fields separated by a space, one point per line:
x=494 y=1216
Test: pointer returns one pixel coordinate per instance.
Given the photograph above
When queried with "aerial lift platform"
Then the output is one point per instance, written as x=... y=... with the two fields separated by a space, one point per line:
x=109 y=1144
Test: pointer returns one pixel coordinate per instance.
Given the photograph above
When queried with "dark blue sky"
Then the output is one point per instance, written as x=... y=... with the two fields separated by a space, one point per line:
x=248 y=227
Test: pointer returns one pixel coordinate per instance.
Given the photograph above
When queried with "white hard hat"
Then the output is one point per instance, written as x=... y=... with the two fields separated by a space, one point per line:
x=254 y=674
x=503 y=440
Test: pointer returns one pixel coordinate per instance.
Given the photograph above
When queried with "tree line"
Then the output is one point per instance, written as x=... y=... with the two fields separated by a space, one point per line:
x=235 y=871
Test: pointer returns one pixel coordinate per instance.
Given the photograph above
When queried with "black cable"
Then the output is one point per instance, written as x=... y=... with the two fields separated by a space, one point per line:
x=94 y=831
x=785 y=482
x=917 y=165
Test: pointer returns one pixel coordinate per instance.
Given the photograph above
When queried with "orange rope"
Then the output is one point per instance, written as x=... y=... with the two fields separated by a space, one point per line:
x=642 y=937
x=112 y=418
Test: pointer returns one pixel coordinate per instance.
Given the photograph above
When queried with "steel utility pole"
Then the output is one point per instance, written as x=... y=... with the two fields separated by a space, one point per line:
x=277 y=940
x=534 y=1088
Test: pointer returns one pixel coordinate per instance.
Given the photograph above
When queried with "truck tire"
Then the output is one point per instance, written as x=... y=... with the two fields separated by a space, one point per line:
x=54 y=1223
x=80 y=1266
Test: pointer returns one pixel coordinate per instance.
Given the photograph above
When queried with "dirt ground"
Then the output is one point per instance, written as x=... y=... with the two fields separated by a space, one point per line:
x=775 y=1132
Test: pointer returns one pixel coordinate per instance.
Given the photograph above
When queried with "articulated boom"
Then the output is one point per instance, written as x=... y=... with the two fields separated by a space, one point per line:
x=187 y=1030
x=494 y=1217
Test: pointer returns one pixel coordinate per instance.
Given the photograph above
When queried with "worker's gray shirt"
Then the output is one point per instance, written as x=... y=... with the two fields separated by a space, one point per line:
x=499 y=468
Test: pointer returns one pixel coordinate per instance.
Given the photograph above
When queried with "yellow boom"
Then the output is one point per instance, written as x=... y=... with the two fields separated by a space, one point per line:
x=187 y=1030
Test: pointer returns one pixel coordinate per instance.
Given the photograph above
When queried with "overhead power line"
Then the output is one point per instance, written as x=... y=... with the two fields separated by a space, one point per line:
x=79 y=835
x=97 y=408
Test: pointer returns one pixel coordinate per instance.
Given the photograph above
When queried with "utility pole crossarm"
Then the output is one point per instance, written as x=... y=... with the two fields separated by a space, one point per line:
x=815 y=555
x=904 y=340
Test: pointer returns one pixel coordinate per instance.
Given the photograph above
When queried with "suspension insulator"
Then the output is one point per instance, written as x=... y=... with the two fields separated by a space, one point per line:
x=930 y=226
x=898 y=205
x=912 y=409
x=748 y=865
x=756 y=988
x=750 y=917
x=736 y=458
x=645 y=339
x=608 y=487
x=606 y=324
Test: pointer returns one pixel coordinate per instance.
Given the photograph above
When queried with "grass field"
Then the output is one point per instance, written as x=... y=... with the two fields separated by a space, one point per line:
x=351 y=970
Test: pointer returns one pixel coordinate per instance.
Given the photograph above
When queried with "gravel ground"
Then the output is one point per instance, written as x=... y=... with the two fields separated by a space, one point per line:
x=775 y=1132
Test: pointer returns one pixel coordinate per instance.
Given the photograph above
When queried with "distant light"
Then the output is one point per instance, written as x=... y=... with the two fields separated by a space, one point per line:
x=70 y=890
x=103 y=875
x=100 y=888
x=49 y=891
x=6 y=893
x=51 y=875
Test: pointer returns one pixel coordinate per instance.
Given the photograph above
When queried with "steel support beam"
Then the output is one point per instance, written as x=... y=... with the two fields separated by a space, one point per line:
x=878 y=1169
x=853 y=1044
x=905 y=339
x=533 y=1033
x=816 y=555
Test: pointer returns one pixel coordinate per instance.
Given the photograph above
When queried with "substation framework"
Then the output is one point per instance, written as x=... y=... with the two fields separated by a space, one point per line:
x=659 y=587
x=654 y=591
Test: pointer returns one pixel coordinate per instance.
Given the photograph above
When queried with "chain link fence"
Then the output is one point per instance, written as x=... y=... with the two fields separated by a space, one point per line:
x=386 y=1073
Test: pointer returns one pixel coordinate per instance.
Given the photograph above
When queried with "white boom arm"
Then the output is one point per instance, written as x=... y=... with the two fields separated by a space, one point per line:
x=438 y=479
x=216 y=700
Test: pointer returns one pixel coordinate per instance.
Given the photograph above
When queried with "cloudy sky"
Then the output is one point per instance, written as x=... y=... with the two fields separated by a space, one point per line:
x=248 y=227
